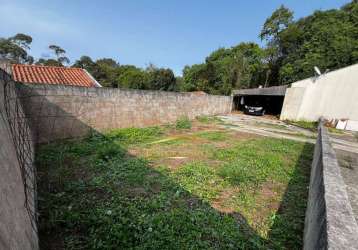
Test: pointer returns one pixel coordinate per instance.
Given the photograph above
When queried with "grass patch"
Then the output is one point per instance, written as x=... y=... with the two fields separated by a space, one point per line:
x=134 y=135
x=183 y=123
x=93 y=194
x=213 y=135
x=305 y=124
x=335 y=131
x=208 y=119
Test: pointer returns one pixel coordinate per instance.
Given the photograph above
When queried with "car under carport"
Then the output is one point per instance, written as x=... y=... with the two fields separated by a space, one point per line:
x=270 y=98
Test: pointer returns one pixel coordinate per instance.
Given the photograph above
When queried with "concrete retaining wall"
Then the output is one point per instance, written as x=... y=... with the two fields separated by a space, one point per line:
x=17 y=201
x=58 y=112
x=333 y=95
x=329 y=223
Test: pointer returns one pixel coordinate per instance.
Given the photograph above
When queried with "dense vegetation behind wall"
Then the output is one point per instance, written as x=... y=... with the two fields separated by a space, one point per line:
x=63 y=112
x=18 y=229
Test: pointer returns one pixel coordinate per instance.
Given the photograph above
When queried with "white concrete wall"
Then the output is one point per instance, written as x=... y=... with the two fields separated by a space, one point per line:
x=333 y=95
x=292 y=103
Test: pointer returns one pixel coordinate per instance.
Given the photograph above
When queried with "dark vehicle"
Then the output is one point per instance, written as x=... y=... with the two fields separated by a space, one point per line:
x=254 y=110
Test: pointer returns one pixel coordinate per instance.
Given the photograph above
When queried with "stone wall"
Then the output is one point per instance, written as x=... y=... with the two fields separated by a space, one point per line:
x=329 y=222
x=17 y=187
x=58 y=112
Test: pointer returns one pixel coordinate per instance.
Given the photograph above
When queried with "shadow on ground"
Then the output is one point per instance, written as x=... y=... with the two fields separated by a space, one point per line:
x=94 y=195
x=293 y=205
x=110 y=199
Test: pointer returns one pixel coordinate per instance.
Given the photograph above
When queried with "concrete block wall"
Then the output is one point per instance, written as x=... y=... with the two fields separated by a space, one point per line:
x=329 y=222
x=17 y=194
x=332 y=95
x=57 y=111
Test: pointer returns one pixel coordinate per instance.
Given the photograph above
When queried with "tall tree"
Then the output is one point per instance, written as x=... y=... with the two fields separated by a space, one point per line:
x=131 y=77
x=160 y=79
x=226 y=68
x=60 y=60
x=15 y=48
x=60 y=54
x=326 y=39
x=271 y=31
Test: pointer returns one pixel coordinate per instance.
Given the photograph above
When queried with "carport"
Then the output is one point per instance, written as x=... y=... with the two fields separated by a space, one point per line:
x=270 y=98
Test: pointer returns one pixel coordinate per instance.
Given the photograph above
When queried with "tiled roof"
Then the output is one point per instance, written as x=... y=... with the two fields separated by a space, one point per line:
x=51 y=75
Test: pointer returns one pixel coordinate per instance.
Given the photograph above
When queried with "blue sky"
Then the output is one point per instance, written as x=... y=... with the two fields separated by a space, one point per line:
x=168 y=33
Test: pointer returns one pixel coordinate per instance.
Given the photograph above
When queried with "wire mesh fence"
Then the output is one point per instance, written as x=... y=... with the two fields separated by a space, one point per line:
x=23 y=141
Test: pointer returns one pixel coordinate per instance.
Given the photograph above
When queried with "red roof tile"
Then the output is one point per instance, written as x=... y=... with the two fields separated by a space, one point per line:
x=51 y=75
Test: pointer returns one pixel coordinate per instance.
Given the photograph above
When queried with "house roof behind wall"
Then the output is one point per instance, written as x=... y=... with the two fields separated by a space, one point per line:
x=35 y=74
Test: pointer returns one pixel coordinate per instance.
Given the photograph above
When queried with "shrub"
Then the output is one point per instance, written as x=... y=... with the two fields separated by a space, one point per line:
x=110 y=151
x=183 y=123
x=134 y=135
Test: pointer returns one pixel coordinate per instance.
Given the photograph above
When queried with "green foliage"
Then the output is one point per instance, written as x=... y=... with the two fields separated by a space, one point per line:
x=111 y=74
x=15 y=48
x=208 y=119
x=49 y=62
x=327 y=39
x=132 y=78
x=61 y=58
x=305 y=124
x=161 y=79
x=109 y=151
x=225 y=69
x=213 y=135
x=335 y=131
x=134 y=135
x=279 y=20
x=183 y=123
x=200 y=179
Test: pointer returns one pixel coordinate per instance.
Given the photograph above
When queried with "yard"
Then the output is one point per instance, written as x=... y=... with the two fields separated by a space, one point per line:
x=183 y=186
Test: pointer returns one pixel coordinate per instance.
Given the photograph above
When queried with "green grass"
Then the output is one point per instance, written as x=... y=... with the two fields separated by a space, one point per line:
x=335 y=131
x=208 y=119
x=305 y=124
x=134 y=135
x=213 y=135
x=183 y=123
x=93 y=194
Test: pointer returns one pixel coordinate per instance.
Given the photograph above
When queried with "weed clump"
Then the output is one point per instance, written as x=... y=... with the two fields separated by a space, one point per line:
x=305 y=124
x=183 y=123
x=110 y=151
x=134 y=135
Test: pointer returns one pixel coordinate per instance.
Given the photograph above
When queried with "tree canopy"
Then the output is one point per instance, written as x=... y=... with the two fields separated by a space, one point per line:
x=326 y=39
x=15 y=48
x=60 y=60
